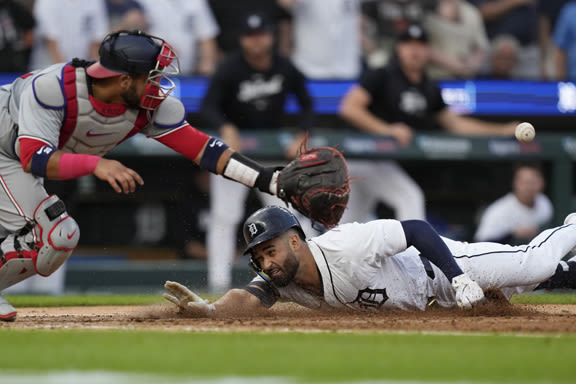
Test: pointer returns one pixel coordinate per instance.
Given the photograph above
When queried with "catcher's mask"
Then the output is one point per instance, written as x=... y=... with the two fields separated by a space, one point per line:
x=137 y=53
x=265 y=224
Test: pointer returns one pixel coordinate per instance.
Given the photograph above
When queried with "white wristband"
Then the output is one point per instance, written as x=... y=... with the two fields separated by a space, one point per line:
x=210 y=310
x=240 y=172
x=274 y=183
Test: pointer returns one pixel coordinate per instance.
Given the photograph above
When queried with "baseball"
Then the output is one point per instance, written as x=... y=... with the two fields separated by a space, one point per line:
x=525 y=132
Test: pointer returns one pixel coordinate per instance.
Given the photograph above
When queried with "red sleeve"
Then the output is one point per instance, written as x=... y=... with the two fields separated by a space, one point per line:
x=27 y=148
x=185 y=140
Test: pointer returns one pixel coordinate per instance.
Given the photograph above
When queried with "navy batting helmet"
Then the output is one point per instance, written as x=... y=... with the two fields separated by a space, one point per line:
x=268 y=223
x=127 y=53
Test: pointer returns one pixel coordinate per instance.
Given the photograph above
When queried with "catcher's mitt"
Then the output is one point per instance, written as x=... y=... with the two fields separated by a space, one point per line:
x=316 y=184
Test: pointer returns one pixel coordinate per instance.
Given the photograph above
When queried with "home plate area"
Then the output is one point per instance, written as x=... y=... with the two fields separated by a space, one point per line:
x=494 y=317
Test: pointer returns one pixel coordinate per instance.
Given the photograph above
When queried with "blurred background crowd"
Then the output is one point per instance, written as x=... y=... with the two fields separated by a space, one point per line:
x=520 y=39
x=324 y=40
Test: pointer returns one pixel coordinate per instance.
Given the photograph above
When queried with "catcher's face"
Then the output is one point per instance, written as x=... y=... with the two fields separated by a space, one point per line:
x=133 y=90
x=277 y=260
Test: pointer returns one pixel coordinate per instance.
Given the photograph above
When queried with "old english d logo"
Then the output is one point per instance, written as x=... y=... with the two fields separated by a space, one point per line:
x=371 y=298
x=253 y=228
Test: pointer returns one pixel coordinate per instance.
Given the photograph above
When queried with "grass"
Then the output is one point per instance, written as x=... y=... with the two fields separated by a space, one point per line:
x=20 y=301
x=303 y=357
x=328 y=357
x=548 y=298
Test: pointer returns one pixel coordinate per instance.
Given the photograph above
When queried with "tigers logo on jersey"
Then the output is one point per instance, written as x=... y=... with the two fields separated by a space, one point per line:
x=371 y=298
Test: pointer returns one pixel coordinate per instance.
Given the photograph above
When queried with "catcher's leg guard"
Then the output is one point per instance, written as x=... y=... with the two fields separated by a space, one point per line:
x=16 y=261
x=41 y=247
x=14 y=271
x=58 y=234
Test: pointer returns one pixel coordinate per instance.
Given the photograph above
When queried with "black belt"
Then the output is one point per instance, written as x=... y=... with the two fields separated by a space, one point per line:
x=428 y=267
x=430 y=272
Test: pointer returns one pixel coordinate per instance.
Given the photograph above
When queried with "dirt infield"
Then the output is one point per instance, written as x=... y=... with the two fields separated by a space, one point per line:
x=494 y=318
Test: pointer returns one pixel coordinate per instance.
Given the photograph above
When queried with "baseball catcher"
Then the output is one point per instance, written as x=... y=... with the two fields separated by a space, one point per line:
x=316 y=183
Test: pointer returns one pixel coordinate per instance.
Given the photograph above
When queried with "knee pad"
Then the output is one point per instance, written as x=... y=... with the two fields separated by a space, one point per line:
x=57 y=235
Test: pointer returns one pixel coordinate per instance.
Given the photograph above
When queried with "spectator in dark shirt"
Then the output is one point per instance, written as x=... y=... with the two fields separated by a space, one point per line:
x=16 y=36
x=248 y=91
x=384 y=20
x=230 y=14
x=398 y=100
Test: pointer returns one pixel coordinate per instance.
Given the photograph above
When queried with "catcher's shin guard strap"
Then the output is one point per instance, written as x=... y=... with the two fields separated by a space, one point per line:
x=250 y=173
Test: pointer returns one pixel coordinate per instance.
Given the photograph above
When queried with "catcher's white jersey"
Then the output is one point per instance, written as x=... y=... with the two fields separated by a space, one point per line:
x=368 y=266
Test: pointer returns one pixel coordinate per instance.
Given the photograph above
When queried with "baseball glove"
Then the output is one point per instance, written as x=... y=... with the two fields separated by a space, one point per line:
x=316 y=183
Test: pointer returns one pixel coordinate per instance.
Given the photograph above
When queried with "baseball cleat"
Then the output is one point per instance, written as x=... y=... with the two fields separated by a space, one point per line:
x=570 y=219
x=7 y=311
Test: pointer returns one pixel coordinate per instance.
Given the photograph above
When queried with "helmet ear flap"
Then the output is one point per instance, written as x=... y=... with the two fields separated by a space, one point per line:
x=256 y=268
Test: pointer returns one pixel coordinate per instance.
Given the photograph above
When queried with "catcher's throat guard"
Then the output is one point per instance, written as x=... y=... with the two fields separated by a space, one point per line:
x=317 y=185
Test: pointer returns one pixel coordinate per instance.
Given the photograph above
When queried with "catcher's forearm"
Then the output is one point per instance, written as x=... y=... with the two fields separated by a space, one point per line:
x=248 y=172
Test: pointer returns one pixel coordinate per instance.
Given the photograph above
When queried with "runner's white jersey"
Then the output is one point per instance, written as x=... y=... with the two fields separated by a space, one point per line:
x=366 y=266
x=54 y=105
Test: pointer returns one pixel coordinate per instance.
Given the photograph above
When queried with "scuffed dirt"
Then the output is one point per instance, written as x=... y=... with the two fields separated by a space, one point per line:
x=501 y=318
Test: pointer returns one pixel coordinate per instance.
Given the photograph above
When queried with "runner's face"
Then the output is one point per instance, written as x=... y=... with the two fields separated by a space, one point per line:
x=277 y=260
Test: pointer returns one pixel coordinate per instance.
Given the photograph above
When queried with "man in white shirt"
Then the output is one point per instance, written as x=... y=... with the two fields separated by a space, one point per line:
x=519 y=215
x=326 y=37
x=190 y=26
x=67 y=29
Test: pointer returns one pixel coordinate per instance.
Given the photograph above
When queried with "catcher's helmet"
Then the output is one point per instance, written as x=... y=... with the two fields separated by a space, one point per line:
x=137 y=53
x=268 y=223
x=127 y=53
